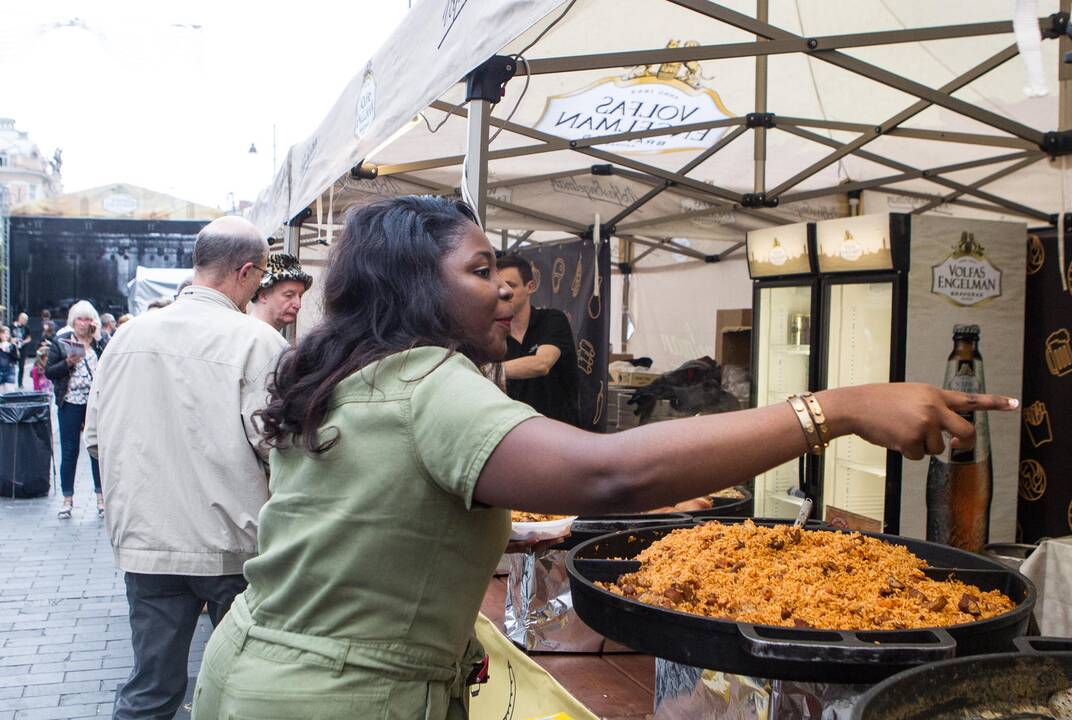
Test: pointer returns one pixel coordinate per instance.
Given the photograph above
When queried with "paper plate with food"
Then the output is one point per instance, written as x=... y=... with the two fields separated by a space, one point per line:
x=533 y=527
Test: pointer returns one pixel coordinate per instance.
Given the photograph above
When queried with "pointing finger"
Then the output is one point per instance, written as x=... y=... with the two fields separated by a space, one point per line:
x=968 y=402
x=963 y=432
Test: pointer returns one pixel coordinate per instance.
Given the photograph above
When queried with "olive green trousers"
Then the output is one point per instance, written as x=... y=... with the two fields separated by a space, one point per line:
x=250 y=672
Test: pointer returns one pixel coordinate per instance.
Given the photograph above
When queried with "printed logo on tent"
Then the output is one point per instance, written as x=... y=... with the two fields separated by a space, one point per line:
x=308 y=155
x=120 y=203
x=366 y=103
x=967 y=278
x=648 y=97
x=708 y=215
x=451 y=10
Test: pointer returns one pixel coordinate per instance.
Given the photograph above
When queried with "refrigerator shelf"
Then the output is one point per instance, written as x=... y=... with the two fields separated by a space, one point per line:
x=879 y=470
x=789 y=499
x=792 y=349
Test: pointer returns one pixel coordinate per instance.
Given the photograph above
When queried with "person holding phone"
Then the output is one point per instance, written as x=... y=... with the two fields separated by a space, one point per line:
x=72 y=361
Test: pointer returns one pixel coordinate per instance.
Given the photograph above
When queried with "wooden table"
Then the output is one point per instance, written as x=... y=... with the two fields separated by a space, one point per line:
x=614 y=687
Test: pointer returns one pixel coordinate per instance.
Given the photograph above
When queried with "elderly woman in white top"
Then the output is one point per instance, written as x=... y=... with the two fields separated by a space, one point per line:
x=72 y=361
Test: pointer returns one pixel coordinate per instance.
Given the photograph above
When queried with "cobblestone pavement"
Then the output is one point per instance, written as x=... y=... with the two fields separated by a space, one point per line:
x=64 y=635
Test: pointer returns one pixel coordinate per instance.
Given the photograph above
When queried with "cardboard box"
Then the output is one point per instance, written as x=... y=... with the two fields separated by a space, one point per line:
x=733 y=337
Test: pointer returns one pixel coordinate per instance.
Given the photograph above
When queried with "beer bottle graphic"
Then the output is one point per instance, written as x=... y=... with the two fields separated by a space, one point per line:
x=960 y=482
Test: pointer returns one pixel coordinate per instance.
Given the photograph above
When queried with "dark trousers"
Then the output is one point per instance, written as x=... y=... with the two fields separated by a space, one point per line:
x=72 y=419
x=163 y=616
x=19 y=367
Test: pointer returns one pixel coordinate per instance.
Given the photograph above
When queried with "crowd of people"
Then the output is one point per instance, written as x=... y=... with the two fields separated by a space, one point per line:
x=65 y=360
x=340 y=504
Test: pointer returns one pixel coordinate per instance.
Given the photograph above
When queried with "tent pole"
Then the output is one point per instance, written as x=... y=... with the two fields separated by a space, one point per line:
x=1008 y=204
x=940 y=97
x=925 y=196
x=759 y=151
x=841 y=188
x=725 y=51
x=939 y=135
x=689 y=192
x=527 y=212
x=627 y=262
x=292 y=246
x=475 y=173
x=669 y=246
x=993 y=177
x=685 y=170
x=484 y=87
x=729 y=251
x=581 y=146
x=521 y=240
x=1064 y=77
x=843 y=149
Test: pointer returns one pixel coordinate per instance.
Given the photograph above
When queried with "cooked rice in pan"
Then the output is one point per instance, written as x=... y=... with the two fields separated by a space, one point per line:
x=522 y=516
x=796 y=578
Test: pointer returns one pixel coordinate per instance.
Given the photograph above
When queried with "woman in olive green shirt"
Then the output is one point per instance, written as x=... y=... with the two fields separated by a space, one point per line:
x=395 y=457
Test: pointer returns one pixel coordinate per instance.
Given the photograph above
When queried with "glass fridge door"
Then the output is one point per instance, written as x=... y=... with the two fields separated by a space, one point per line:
x=858 y=352
x=783 y=358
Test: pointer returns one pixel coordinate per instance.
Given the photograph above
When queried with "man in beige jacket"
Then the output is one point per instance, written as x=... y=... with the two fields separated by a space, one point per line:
x=171 y=419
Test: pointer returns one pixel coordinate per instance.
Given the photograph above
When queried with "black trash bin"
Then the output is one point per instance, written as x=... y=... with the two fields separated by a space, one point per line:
x=24 y=396
x=25 y=447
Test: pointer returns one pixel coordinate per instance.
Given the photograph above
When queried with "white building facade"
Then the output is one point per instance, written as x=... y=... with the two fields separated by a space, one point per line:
x=25 y=173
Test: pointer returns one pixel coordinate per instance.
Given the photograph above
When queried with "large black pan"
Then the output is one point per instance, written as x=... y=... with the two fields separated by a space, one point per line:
x=956 y=688
x=789 y=653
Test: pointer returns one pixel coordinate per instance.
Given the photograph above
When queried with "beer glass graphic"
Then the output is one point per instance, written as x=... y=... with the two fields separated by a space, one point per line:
x=558 y=269
x=1037 y=422
x=586 y=356
x=578 y=277
x=1036 y=254
x=1059 y=352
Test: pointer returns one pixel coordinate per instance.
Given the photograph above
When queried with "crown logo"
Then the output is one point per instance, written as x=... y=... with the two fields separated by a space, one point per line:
x=689 y=72
x=968 y=245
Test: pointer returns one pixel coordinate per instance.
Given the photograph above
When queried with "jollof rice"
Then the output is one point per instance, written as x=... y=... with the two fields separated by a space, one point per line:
x=796 y=578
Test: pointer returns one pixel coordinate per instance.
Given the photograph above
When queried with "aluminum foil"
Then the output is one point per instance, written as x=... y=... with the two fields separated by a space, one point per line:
x=683 y=692
x=539 y=608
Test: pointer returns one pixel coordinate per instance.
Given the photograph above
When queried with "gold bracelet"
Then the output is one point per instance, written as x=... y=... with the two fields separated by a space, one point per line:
x=811 y=435
x=818 y=417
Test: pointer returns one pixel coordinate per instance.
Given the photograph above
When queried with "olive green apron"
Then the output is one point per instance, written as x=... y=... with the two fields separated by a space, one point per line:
x=323 y=678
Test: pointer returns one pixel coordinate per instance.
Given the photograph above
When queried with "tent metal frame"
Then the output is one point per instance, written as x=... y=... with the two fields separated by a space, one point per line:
x=1032 y=144
x=1026 y=145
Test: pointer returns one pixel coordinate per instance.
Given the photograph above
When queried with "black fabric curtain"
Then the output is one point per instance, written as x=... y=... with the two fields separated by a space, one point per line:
x=567 y=279
x=1045 y=495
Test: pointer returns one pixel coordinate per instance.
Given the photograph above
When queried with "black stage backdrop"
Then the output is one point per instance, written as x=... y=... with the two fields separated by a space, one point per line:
x=567 y=280
x=1045 y=501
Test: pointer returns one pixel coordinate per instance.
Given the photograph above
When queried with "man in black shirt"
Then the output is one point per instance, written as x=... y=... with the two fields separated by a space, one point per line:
x=541 y=359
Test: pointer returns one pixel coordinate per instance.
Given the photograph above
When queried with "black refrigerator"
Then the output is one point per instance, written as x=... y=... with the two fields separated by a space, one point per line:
x=829 y=304
x=880 y=298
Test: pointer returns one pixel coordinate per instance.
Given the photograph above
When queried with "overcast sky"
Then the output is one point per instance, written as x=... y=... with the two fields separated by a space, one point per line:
x=170 y=95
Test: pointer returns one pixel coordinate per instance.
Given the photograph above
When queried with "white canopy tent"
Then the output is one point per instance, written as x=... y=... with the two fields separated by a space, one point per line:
x=681 y=124
x=152 y=284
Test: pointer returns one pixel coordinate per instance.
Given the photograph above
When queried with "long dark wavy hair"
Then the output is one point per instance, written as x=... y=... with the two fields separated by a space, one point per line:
x=383 y=293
